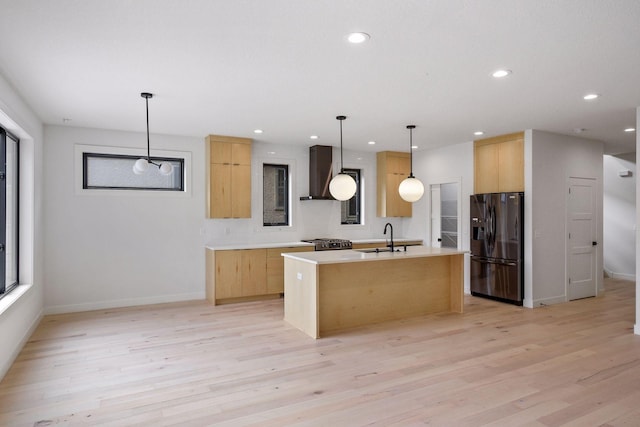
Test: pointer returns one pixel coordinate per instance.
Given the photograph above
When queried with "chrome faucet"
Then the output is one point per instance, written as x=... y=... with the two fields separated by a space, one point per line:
x=385 y=232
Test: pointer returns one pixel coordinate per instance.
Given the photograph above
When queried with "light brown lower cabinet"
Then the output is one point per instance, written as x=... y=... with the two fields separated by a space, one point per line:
x=275 y=267
x=245 y=274
x=226 y=274
x=240 y=273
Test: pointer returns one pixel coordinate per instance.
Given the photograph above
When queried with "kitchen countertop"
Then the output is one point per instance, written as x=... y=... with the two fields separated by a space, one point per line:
x=234 y=246
x=344 y=256
x=399 y=240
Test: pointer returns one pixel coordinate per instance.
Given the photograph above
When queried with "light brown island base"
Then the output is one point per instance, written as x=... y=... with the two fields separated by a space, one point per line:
x=328 y=291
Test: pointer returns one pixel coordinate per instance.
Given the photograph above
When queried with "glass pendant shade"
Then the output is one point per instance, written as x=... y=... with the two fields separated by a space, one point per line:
x=165 y=168
x=411 y=189
x=140 y=166
x=342 y=187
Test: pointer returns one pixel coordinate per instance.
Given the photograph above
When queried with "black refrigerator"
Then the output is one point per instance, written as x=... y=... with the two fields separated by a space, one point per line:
x=497 y=246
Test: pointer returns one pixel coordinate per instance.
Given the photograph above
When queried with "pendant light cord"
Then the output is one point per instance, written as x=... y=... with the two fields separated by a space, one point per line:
x=341 y=118
x=146 y=96
x=411 y=127
x=146 y=99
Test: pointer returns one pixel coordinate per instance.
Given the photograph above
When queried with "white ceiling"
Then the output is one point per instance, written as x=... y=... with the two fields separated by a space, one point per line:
x=229 y=67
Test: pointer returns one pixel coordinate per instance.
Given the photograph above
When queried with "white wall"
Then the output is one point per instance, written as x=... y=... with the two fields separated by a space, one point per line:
x=550 y=159
x=111 y=249
x=310 y=218
x=619 y=206
x=636 y=328
x=21 y=310
x=452 y=163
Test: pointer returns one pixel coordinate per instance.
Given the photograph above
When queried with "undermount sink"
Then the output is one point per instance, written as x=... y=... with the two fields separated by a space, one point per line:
x=374 y=250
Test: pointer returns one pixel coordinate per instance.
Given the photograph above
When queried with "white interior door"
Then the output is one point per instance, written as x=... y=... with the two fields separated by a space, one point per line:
x=445 y=215
x=436 y=221
x=450 y=215
x=581 y=221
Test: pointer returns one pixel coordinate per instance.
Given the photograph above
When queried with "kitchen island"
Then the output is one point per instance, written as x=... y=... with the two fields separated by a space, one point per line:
x=333 y=290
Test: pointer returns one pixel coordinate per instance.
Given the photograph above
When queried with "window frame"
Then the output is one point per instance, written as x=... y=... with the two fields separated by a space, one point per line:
x=87 y=154
x=78 y=149
x=5 y=288
x=286 y=197
x=356 y=174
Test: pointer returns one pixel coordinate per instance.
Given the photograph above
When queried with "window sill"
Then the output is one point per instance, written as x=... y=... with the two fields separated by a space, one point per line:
x=13 y=296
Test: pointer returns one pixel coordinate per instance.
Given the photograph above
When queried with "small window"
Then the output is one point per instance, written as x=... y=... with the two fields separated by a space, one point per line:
x=350 y=210
x=115 y=172
x=275 y=195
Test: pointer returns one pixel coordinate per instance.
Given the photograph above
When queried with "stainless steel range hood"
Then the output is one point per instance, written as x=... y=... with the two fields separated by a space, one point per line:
x=320 y=172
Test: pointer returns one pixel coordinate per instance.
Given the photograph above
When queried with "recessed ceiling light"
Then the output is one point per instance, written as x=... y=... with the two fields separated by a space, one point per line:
x=371 y=143
x=478 y=133
x=271 y=152
x=357 y=38
x=590 y=96
x=313 y=137
x=414 y=146
x=630 y=130
x=257 y=131
x=501 y=73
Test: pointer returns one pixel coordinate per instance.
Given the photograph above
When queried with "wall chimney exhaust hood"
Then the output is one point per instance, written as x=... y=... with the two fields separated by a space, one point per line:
x=320 y=172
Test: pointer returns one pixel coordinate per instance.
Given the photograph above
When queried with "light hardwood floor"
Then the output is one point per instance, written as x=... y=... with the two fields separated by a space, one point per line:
x=193 y=364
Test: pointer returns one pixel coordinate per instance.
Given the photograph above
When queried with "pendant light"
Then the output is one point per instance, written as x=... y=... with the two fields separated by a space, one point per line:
x=342 y=186
x=411 y=189
x=142 y=165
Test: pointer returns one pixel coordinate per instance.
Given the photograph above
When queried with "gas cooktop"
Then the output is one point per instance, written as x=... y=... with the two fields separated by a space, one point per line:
x=325 y=244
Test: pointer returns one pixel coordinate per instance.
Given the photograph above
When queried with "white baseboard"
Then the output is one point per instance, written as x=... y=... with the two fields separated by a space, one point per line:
x=615 y=275
x=131 y=302
x=549 y=301
x=623 y=276
x=16 y=351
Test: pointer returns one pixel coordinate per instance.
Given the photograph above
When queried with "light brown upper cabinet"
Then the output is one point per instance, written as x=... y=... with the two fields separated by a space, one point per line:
x=229 y=177
x=392 y=168
x=499 y=164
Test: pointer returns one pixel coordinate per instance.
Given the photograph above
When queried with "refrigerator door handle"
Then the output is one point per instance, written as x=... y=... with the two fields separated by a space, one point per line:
x=509 y=263
x=493 y=261
x=493 y=224
x=489 y=230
